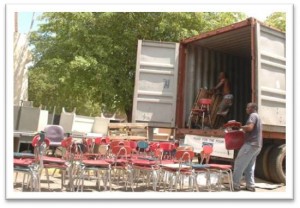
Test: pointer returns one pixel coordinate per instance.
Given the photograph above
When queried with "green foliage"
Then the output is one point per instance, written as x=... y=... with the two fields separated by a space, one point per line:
x=220 y=19
x=87 y=60
x=277 y=20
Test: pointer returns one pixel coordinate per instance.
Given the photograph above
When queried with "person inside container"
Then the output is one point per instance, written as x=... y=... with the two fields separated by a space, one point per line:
x=245 y=160
x=223 y=88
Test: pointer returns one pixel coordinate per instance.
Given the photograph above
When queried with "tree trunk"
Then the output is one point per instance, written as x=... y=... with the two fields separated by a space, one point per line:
x=129 y=115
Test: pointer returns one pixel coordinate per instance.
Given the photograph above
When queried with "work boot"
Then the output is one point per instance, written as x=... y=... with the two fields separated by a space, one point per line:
x=252 y=189
x=236 y=189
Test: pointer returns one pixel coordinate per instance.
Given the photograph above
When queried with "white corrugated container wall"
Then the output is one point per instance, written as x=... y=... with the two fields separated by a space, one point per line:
x=156 y=83
x=271 y=78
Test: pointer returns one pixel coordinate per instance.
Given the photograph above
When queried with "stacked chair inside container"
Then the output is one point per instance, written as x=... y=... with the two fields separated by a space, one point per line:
x=201 y=110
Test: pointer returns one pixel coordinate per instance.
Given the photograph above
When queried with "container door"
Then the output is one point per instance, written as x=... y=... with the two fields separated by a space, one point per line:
x=156 y=83
x=271 y=78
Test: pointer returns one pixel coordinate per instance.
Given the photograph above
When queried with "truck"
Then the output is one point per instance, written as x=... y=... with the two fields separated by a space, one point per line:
x=169 y=76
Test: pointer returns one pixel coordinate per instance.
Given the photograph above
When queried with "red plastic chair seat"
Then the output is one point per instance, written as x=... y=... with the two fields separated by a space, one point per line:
x=113 y=161
x=204 y=101
x=23 y=162
x=143 y=162
x=90 y=155
x=55 y=165
x=186 y=171
x=220 y=166
x=95 y=163
x=47 y=159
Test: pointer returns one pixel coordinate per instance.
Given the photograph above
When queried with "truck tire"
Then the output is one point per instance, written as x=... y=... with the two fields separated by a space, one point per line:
x=262 y=161
x=277 y=164
x=259 y=164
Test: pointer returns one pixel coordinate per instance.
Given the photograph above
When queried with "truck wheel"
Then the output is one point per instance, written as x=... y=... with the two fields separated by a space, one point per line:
x=262 y=161
x=259 y=164
x=277 y=164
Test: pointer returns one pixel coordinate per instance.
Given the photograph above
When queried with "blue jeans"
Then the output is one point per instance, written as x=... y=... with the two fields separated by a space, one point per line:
x=245 y=163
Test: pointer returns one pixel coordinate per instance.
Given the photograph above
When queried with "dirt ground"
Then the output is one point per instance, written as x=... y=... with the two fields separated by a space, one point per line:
x=140 y=186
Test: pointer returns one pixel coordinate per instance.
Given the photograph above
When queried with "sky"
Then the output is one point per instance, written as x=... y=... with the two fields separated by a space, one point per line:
x=25 y=19
x=258 y=14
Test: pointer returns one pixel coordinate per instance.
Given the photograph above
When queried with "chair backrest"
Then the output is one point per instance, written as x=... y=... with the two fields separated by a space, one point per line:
x=133 y=144
x=115 y=143
x=167 y=146
x=98 y=140
x=102 y=140
x=205 y=153
x=124 y=143
x=207 y=149
x=153 y=146
x=67 y=142
x=185 y=148
x=38 y=141
x=142 y=146
x=184 y=156
x=40 y=144
x=55 y=134
x=67 y=145
x=121 y=151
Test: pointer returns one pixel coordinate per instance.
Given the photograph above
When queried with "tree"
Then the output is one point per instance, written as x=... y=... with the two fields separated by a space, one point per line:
x=87 y=60
x=277 y=20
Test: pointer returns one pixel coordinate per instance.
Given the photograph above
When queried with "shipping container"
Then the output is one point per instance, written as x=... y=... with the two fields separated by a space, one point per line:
x=170 y=75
